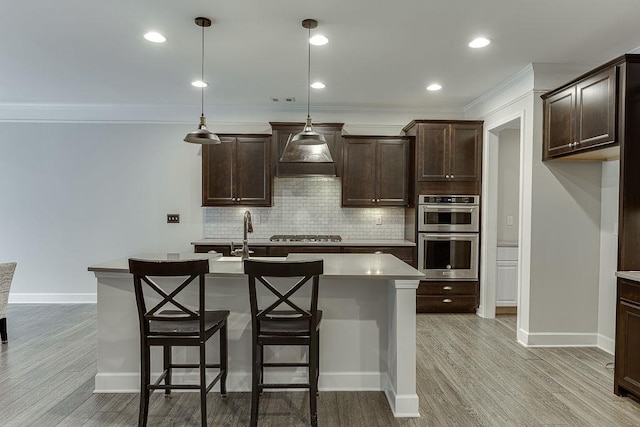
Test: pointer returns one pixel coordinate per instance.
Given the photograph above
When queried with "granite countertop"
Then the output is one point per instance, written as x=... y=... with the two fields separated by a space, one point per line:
x=348 y=266
x=630 y=275
x=267 y=242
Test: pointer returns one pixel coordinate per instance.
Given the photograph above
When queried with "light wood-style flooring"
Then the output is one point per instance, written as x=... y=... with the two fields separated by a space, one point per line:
x=471 y=372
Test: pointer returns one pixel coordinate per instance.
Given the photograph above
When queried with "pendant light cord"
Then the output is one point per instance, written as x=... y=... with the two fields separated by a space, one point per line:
x=202 y=75
x=308 y=73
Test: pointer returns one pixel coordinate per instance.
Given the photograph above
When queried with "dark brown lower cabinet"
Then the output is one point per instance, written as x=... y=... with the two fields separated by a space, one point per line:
x=627 y=359
x=405 y=253
x=447 y=297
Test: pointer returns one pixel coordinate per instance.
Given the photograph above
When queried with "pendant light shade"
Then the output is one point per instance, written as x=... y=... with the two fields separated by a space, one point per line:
x=307 y=146
x=202 y=135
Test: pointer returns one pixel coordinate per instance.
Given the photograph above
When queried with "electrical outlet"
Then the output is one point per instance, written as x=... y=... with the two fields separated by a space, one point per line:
x=173 y=218
x=379 y=220
x=509 y=219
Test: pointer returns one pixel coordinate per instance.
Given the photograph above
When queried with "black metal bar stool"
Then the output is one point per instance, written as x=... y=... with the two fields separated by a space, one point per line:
x=293 y=326
x=176 y=326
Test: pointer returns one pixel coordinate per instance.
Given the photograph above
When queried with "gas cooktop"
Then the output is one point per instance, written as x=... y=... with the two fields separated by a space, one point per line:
x=305 y=238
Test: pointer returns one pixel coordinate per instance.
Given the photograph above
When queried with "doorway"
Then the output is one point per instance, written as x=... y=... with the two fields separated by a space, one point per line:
x=502 y=217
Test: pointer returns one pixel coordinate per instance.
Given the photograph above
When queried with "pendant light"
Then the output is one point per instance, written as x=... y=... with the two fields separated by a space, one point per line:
x=307 y=146
x=202 y=134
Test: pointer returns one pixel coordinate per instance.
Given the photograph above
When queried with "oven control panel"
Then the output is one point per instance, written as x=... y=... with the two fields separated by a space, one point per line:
x=452 y=199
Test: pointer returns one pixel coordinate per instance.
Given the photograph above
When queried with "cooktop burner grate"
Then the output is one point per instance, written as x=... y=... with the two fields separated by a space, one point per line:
x=306 y=238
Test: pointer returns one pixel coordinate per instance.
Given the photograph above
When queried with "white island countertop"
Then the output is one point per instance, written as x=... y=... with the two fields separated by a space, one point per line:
x=336 y=266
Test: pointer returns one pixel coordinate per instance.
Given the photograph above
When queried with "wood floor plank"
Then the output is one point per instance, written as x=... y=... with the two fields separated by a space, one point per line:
x=470 y=372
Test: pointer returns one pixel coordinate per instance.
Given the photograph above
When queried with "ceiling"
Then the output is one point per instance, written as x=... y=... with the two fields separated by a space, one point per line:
x=381 y=54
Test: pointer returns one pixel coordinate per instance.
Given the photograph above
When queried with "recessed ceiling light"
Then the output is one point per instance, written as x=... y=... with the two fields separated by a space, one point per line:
x=434 y=86
x=318 y=85
x=479 y=42
x=155 y=37
x=199 y=83
x=318 y=40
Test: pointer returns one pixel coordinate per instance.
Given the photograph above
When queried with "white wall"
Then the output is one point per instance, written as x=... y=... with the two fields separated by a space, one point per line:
x=80 y=194
x=508 y=185
x=608 y=255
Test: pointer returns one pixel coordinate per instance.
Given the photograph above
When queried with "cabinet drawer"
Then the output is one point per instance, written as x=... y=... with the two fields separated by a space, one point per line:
x=629 y=290
x=445 y=304
x=286 y=250
x=448 y=288
x=403 y=253
x=203 y=249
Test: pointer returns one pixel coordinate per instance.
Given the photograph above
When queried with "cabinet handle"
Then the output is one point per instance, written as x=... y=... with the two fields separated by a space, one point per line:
x=447 y=288
x=451 y=176
x=373 y=200
x=233 y=199
x=377 y=200
x=447 y=301
x=446 y=176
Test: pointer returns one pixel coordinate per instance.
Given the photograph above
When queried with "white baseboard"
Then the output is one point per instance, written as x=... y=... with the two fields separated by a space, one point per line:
x=606 y=344
x=239 y=381
x=402 y=405
x=59 y=298
x=557 y=339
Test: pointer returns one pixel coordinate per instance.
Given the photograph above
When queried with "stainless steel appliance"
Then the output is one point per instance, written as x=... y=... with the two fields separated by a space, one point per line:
x=449 y=213
x=448 y=237
x=448 y=256
x=305 y=238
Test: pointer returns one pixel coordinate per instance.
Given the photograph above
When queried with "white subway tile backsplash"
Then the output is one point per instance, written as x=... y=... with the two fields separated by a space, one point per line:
x=307 y=205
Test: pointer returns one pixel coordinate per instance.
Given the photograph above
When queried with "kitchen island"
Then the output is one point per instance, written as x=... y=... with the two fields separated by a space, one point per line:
x=367 y=336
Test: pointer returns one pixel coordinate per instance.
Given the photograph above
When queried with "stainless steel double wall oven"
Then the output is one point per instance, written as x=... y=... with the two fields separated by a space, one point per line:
x=448 y=236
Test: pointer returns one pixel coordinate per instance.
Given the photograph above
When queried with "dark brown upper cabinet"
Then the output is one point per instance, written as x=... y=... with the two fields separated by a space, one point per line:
x=237 y=171
x=581 y=116
x=447 y=150
x=331 y=132
x=375 y=171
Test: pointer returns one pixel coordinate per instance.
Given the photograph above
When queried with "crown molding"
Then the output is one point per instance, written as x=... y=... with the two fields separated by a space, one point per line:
x=515 y=79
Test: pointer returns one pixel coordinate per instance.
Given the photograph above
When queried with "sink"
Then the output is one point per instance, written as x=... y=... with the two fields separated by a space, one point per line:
x=260 y=258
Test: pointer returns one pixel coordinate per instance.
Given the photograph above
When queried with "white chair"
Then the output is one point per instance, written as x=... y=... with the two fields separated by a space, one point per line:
x=6 y=275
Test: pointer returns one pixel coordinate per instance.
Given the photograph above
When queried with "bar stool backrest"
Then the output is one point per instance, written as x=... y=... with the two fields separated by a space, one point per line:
x=261 y=271
x=170 y=308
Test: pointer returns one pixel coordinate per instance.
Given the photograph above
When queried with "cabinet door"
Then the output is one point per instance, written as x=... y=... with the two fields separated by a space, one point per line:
x=465 y=151
x=392 y=161
x=627 y=366
x=559 y=128
x=433 y=161
x=253 y=171
x=218 y=170
x=358 y=181
x=596 y=105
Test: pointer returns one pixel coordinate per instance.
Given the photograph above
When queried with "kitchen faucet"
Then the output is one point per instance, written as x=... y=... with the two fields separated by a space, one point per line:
x=248 y=228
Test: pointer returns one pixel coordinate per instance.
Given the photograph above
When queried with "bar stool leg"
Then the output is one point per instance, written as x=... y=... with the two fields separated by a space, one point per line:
x=167 y=367
x=3 y=329
x=145 y=378
x=223 y=360
x=255 y=381
x=203 y=384
x=313 y=381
